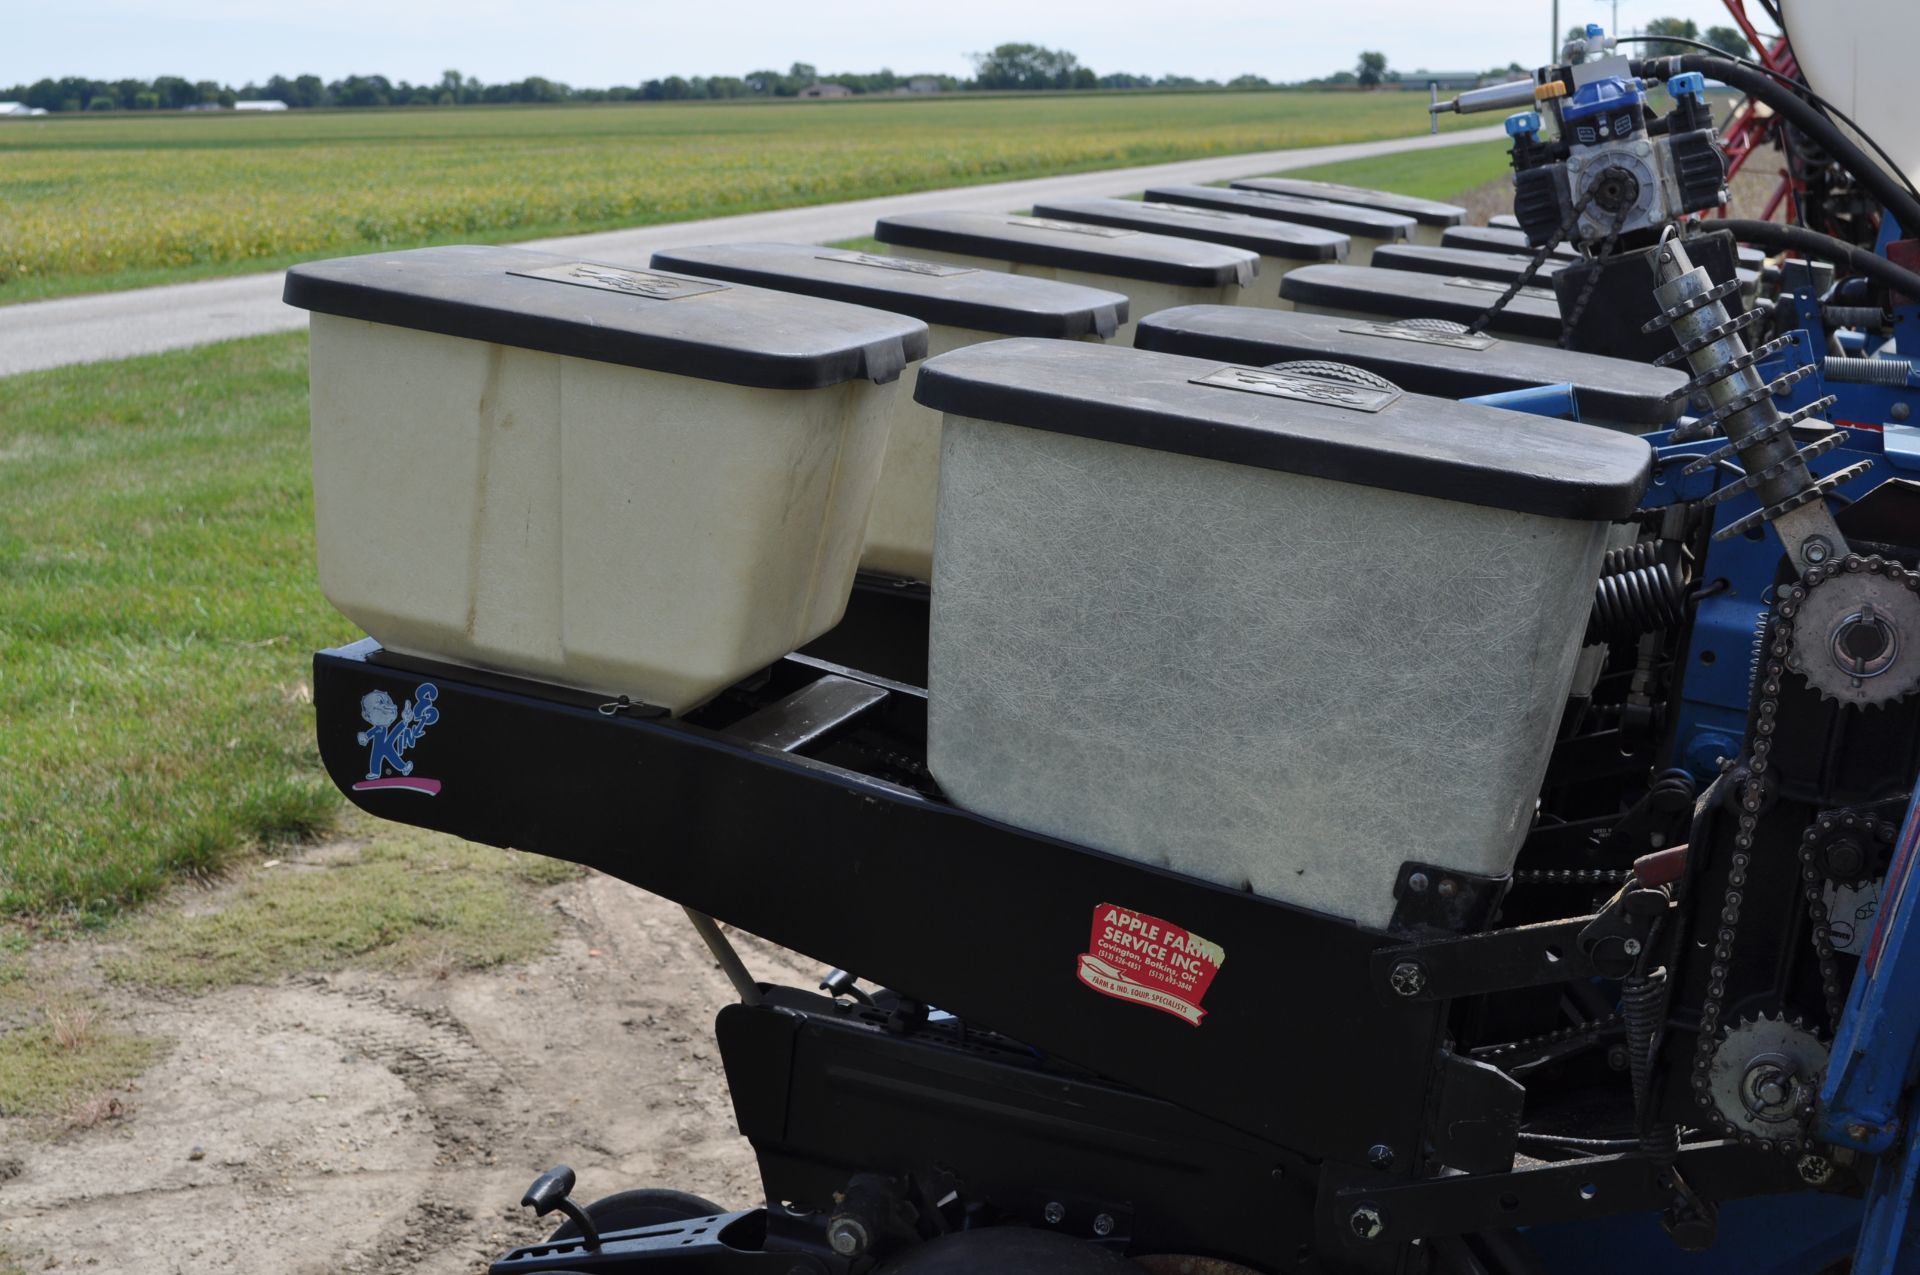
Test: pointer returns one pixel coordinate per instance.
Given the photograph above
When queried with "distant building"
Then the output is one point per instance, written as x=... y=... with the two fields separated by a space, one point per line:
x=271 y=104
x=1443 y=80
x=18 y=108
x=923 y=84
x=826 y=90
x=203 y=106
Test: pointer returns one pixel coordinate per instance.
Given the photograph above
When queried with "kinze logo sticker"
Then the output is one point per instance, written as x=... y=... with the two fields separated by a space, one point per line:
x=1140 y=958
x=390 y=732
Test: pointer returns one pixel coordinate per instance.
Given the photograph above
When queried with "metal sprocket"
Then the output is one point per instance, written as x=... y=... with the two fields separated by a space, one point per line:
x=1766 y=1078
x=1856 y=630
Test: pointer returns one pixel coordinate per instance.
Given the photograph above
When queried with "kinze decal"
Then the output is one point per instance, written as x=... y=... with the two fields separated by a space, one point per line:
x=391 y=731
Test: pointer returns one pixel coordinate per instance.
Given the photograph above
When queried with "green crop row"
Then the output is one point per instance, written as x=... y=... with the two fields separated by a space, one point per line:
x=91 y=199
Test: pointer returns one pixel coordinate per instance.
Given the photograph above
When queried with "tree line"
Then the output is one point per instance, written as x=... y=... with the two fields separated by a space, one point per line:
x=1016 y=67
x=1006 y=67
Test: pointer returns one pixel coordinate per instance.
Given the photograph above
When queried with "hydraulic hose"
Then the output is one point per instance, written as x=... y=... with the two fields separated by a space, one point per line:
x=1804 y=116
x=1811 y=243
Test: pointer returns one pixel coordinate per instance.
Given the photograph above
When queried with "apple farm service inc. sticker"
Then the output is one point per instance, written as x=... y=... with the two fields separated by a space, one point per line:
x=1150 y=961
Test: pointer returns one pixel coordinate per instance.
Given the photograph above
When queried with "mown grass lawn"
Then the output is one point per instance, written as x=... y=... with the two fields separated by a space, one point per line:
x=158 y=614
x=158 y=609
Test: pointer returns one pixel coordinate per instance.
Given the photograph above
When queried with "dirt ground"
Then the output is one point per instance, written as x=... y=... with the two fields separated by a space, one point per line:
x=360 y=1122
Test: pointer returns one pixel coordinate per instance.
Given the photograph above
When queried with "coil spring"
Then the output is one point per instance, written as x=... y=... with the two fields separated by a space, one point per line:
x=1756 y=651
x=1643 y=1009
x=1627 y=604
x=1893 y=372
x=1641 y=553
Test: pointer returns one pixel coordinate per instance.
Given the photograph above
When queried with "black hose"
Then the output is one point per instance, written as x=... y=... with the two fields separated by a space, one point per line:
x=1757 y=82
x=1811 y=243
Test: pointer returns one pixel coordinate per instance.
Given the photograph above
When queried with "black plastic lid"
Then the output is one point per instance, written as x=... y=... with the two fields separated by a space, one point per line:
x=1369 y=223
x=1067 y=245
x=1303 y=425
x=1428 y=212
x=1400 y=294
x=1498 y=239
x=1263 y=235
x=958 y=296
x=615 y=314
x=1445 y=364
x=1502 y=267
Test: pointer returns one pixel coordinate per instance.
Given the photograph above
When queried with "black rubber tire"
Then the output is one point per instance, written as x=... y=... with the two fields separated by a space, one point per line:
x=648 y=1206
x=1008 y=1250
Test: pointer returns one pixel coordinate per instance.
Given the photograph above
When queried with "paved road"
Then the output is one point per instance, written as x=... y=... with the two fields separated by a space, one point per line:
x=115 y=325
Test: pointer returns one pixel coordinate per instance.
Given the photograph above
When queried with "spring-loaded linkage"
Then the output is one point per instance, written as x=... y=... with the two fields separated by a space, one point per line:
x=1635 y=601
x=1641 y=553
x=1743 y=409
x=1643 y=1008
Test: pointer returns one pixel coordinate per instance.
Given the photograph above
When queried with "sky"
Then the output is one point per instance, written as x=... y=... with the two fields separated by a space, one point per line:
x=595 y=43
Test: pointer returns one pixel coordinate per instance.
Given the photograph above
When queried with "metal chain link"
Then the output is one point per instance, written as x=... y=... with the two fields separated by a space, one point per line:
x=1492 y=312
x=1753 y=796
x=1816 y=880
x=1607 y=247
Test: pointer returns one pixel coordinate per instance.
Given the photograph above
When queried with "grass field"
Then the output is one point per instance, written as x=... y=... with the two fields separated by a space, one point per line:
x=158 y=614
x=158 y=610
x=127 y=201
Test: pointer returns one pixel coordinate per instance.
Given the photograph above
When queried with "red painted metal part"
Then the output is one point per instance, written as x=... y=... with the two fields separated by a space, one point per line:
x=1750 y=129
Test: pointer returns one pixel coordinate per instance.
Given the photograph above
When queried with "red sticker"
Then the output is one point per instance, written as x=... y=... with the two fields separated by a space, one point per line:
x=1141 y=958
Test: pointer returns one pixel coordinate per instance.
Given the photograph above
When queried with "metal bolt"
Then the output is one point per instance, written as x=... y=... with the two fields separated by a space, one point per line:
x=1366 y=1222
x=1380 y=1156
x=1631 y=947
x=1816 y=550
x=1417 y=883
x=847 y=1237
x=1845 y=859
x=1408 y=978
x=1617 y=1057
x=1448 y=887
x=1815 y=1169
x=1103 y=1224
x=1901 y=411
x=1055 y=1212
x=1858 y=1132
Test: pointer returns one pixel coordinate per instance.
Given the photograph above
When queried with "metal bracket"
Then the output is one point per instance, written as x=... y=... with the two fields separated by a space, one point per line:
x=1525 y=956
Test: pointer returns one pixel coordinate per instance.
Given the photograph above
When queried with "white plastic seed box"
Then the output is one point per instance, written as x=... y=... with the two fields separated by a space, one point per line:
x=1366 y=228
x=1417 y=357
x=1431 y=217
x=1280 y=633
x=1281 y=245
x=961 y=306
x=1154 y=272
x=625 y=481
x=1360 y=292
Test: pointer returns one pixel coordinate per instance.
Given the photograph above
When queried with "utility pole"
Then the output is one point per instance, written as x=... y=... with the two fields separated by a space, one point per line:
x=1553 y=49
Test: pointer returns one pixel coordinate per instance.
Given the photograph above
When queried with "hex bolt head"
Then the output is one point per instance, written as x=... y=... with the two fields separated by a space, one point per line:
x=1408 y=978
x=1816 y=550
x=1631 y=947
x=847 y=1237
x=1103 y=1224
x=1417 y=882
x=1366 y=1222
x=1815 y=1169
x=1380 y=1156
x=1055 y=1212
